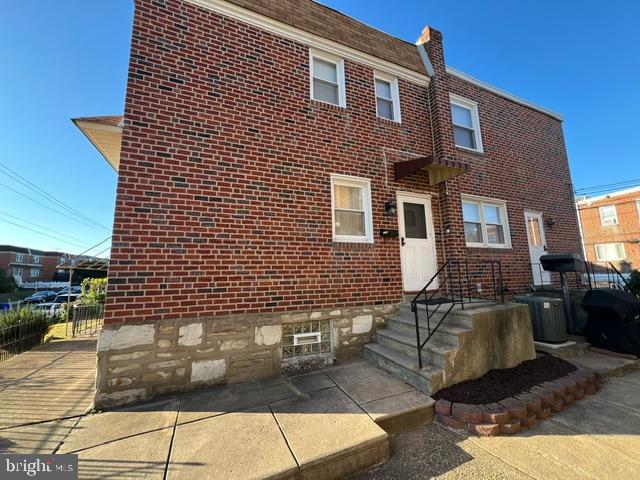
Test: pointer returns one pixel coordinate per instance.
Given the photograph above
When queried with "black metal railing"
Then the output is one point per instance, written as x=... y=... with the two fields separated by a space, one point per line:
x=20 y=337
x=450 y=286
x=87 y=319
x=606 y=274
x=595 y=275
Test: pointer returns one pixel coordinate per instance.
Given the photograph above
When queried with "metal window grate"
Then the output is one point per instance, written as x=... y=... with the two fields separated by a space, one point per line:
x=306 y=338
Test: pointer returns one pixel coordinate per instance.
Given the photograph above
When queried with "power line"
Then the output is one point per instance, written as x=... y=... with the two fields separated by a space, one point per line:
x=42 y=233
x=51 y=208
x=608 y=186
x=36 y=225
x=33 y=187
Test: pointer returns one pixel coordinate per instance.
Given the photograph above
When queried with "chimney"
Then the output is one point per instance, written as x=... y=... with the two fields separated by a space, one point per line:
x=431 y=40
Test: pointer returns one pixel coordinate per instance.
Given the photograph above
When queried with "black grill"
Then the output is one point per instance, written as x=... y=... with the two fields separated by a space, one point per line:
x=562 y=262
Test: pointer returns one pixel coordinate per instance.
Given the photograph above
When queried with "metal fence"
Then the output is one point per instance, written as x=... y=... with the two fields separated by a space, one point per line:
x=20 y=337
x=86 y=319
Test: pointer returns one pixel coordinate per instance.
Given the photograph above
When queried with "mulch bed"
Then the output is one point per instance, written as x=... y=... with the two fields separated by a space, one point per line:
x=496 y=385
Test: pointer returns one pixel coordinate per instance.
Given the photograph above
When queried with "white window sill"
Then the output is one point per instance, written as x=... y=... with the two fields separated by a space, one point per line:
x=322 y=102
x=470 y=150
x=486 y=245
x=353 y=240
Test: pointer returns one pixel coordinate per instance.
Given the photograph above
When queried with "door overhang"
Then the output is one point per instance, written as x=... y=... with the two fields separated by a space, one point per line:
x=439 y=169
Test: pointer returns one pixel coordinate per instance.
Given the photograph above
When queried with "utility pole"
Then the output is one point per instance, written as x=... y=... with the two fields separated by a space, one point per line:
x=66 y=327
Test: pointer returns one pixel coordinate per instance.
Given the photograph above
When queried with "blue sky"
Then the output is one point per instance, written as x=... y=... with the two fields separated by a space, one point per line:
x=68 y=59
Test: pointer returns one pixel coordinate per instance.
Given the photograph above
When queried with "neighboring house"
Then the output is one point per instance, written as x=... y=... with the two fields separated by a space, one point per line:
x=28 y=264
x=262 y=156
x=611 y=228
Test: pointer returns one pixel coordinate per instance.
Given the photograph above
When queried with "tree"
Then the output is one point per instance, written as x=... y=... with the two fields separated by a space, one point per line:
x=7 y=283
x=94 y=291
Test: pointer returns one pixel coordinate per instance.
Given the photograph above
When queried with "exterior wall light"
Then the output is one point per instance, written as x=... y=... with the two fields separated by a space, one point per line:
x=390 y=207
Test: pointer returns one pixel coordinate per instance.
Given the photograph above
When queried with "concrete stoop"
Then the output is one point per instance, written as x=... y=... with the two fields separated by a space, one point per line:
x=470 y=342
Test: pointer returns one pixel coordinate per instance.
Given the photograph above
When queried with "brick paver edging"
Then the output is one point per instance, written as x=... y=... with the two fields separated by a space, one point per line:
x=510 y=415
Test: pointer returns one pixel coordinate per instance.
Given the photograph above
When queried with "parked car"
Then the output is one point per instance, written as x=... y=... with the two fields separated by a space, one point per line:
x=74 y=289
x=55 y=307
x=40 y=297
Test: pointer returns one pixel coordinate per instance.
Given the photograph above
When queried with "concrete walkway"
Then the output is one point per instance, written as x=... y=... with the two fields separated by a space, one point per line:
x=325 y=424
x=597 y=438
x=43 y=394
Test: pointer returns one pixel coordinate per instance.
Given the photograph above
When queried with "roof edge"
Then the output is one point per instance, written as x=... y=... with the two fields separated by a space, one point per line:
x=503 y=93
x=312 y=40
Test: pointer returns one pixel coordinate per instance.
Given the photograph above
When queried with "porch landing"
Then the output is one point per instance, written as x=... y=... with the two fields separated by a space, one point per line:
x=327 y=424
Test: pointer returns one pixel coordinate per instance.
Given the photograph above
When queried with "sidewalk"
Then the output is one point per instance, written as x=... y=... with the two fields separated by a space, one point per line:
x=597 y=438
x=43 y=393
x=325 y=424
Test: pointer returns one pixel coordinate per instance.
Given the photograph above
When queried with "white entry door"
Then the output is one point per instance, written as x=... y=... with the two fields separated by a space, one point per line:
x=417 y=243
x=537 y=247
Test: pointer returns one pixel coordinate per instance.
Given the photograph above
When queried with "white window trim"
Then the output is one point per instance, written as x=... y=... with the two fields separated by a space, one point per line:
x=475 y=120
x=600 y=259
x=358 y=182
x=602 y=217
x=638 y=207
x=37 y=272
x=339 y=62
x=504 y=217
x=395 y=95
x=19 y=257
x=36 y=258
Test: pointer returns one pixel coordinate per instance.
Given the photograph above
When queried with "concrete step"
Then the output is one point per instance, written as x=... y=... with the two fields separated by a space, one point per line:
x=446 y=333
x=401 y=366
x=434 y=352
x=456 y=317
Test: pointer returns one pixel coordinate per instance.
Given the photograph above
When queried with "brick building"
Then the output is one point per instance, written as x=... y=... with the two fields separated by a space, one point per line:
x=263 y=154
x=610 y=227
x=28 y=264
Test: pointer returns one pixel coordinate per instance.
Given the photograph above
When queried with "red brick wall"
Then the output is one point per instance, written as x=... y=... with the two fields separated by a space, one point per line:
x=627 y=231
x=223 y=201
x=524 y=163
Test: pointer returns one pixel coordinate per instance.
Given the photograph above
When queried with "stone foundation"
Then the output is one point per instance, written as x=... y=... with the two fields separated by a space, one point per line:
x=139 y=361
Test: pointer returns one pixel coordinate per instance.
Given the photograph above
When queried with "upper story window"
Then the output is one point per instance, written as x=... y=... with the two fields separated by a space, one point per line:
x=35 y=272
x=36 y=258
x=327 y=78
x=19 y=257
x=351 y=209
x=608 y=215
x=387 y=97
x=466 y=123
x=610 y=252
x=485 y=223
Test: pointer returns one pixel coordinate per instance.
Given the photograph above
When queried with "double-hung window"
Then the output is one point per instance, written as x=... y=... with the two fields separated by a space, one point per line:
x=351 y=209
x=327 y=78
x=466 y=123
x=485 y=223
x=387 y=97
x=610 y=252
x=608 y=215
x=35 y=272
x=19 y=257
